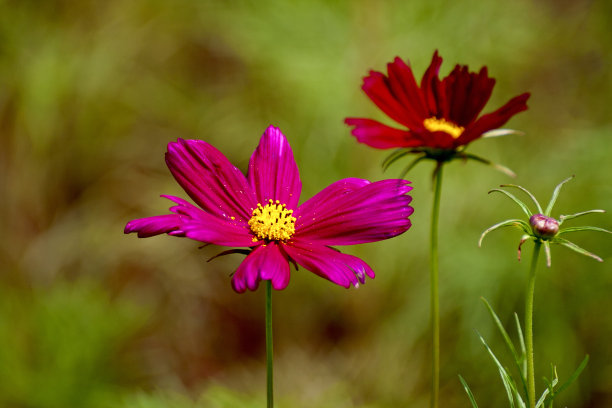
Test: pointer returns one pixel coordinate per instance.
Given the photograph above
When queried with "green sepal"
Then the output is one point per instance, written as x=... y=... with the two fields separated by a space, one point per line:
x=393 y=157
x=524 y=190
x=574 y=247
x=553 y=199
x=584 y=228
x=507 y=223
x=411 y=165
x=496 y=166
x=513 y=198
x=569 y=217
x=502 y=132
x=524 y=239
x=547 y=251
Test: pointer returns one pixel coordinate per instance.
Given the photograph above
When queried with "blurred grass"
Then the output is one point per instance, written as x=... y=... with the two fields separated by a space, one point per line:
x=90 y=94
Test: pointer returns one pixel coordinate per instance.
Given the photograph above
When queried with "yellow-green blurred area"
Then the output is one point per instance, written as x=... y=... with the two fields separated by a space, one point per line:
x=91 y=92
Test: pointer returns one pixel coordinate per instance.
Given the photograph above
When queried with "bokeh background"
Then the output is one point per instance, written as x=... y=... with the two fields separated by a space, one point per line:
x=90 y=94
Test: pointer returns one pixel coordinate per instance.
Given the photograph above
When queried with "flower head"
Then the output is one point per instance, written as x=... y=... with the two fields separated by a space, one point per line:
x=541 y=226
x=261 y=212
x=439 y=116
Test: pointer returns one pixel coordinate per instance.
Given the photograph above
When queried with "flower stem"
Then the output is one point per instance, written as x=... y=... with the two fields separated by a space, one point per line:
x=269 y=359
x=529 y=325
x=434 y=296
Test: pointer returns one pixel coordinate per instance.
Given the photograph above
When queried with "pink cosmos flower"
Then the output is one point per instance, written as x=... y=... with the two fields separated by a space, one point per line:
x=439 y=114
x=261 y=212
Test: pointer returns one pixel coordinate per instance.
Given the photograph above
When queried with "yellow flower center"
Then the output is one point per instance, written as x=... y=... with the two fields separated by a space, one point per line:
x=272 y=222
x=442 y=125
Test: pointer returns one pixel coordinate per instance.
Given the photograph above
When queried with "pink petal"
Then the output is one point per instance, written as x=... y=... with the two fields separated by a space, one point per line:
x=273 y=173
x=380 y=136
x=210 y=179
x=201 y=226
x=354 y=211
x=341 y=269
x=265 y=262
x=150 y=226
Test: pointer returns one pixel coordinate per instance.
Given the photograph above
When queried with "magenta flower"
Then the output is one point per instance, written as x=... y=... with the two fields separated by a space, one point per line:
x=261 y=212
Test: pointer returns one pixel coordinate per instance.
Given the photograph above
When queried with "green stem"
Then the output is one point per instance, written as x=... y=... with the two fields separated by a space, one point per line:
x=434 y=296
x=529 y=325
x=269 y=359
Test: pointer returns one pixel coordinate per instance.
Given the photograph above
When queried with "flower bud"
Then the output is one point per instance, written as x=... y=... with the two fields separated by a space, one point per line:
x=543 y=226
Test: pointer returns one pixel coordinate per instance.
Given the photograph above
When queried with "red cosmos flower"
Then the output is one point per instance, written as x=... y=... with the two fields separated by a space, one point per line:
x=261 y=212
x=439 y=115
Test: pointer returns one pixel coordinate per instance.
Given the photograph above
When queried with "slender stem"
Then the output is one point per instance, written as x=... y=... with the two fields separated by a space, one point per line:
x=269 y=359
x=529 y=325
x=434 y=296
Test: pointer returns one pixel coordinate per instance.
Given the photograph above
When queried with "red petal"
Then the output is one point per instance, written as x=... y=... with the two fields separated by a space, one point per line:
x=380 y=136
x=495 y=119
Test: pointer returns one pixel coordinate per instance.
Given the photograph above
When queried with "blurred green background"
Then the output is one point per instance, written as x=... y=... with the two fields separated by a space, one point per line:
x=90 y=94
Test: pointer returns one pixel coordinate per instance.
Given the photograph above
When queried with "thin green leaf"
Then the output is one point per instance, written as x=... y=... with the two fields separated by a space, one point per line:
x=502 y=132
x=509 y=385
x=521 y=204
x=524 y=190
x=563 y=218
x=555 y=195
x=584 y=228
x=468 y=392
x=507 y=223
x=411 y=165
x=573 y=377
x=522 y=344
x=496 y=166
x=542 y=398
x=509 y=344
x=548 y=394
x=548 y=255
x=574 y=247
x=393 y=157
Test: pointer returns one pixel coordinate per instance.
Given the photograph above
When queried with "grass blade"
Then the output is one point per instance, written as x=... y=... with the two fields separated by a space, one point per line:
x=468 y=392
x=509 y=385
x=523 y=367
x=573 y=377
x=517 y=359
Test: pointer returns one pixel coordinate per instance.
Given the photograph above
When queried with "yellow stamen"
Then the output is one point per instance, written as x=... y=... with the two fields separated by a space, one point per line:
x=442 y=125
x=272 y=222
